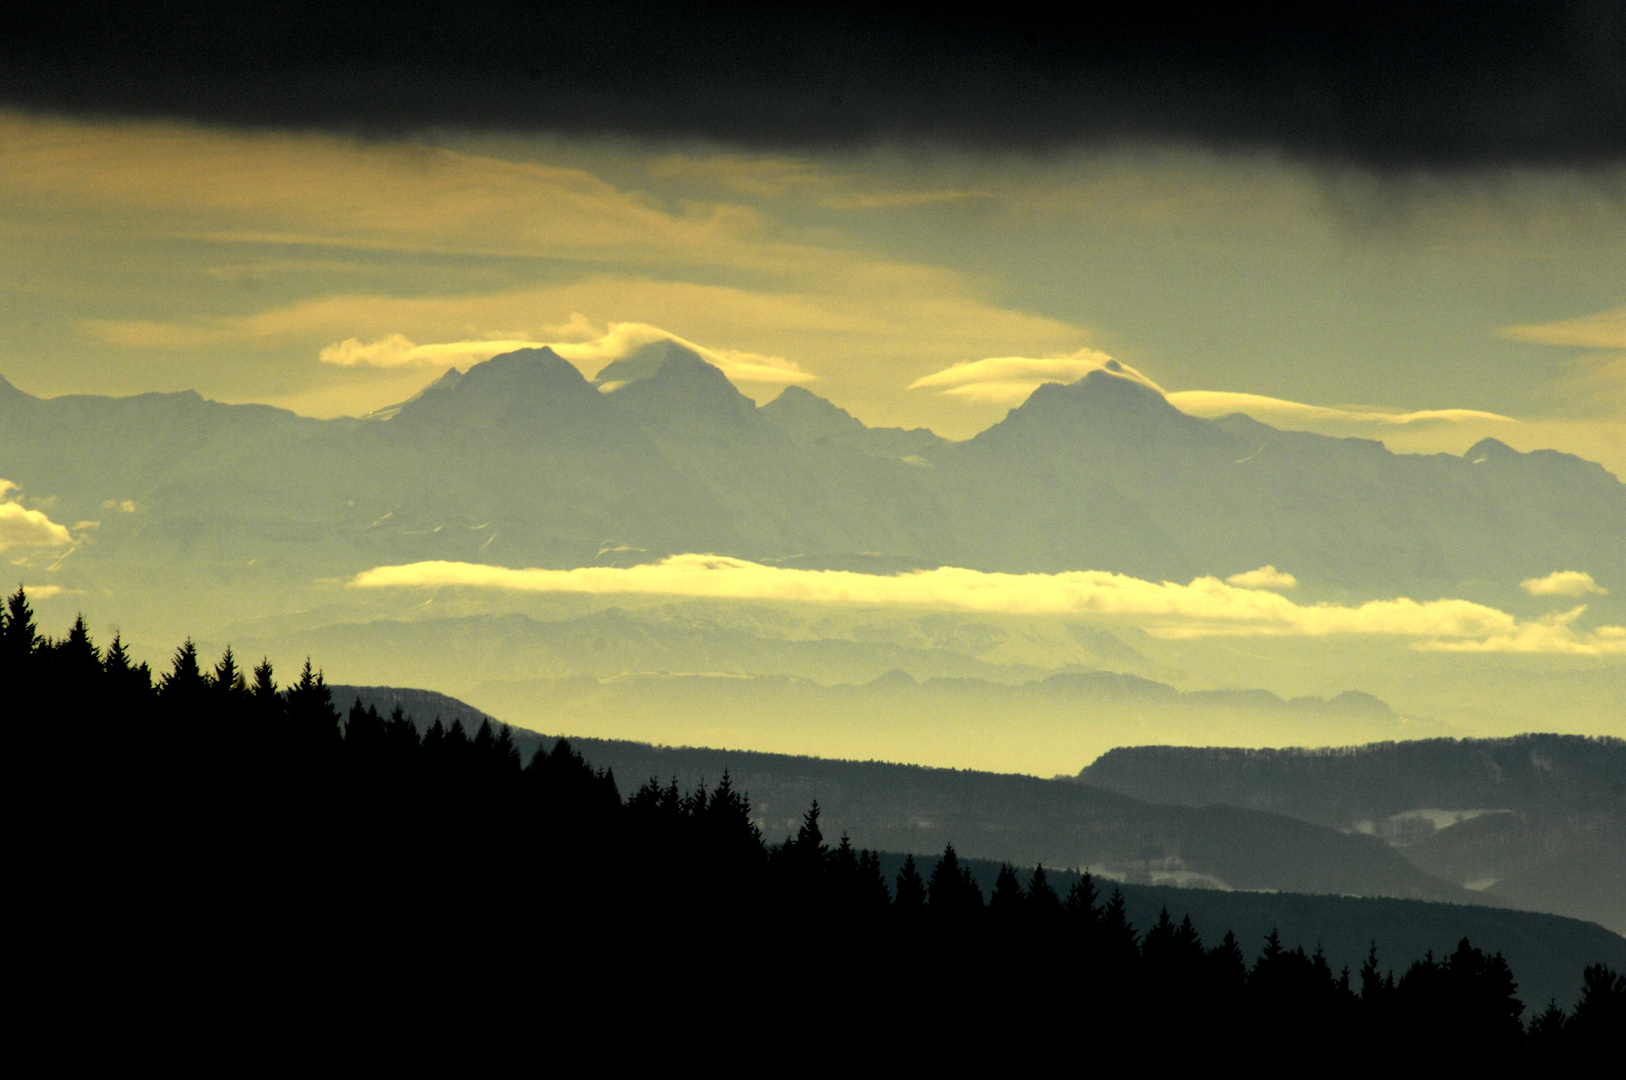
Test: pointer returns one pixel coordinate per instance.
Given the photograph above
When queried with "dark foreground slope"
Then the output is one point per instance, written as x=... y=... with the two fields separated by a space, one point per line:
x=909 y=809
x=203 y=854
x=1536 y=821
x=1022 y=819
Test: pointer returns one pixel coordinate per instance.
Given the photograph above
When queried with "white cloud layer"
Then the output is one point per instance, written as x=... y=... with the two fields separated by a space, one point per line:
x=1563 y=583
x=1205 y=607
x=1008 y=380
x=22 y=527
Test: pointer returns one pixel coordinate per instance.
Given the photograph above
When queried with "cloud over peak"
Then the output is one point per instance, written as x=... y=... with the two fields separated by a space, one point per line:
x=576 y=341
x=1008 y=380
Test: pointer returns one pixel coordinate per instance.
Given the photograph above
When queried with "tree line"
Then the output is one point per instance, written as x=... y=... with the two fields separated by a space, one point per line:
x=212 y=823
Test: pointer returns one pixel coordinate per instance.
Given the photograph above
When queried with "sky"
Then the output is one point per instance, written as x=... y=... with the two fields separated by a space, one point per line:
x=1397 y=221
x=334 y=274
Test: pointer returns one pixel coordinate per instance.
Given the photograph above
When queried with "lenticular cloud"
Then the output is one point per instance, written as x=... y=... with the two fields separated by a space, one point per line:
x=1205 y=607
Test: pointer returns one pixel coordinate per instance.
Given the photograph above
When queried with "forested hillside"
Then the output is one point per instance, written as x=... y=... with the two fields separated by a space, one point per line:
x=1535 y=821
x=248 y=828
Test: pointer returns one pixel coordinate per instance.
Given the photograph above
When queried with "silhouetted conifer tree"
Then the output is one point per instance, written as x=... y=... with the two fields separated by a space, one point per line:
x=910 y=888
x=185 y=682
x=228 y=678
x=1042 y=899
x=1117 y=941
x=1081 y=900
x=1228 y=971
x=1007 y=901
x=1600 y=1015
x=18 y=635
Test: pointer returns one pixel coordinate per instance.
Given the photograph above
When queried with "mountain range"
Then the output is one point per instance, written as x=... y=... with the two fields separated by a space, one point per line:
x=521 y=461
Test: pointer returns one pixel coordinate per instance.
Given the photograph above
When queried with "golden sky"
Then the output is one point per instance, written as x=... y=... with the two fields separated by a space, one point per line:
x=334 y=276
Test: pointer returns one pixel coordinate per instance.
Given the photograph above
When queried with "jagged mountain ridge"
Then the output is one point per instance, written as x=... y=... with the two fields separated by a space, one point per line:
x=523 y=461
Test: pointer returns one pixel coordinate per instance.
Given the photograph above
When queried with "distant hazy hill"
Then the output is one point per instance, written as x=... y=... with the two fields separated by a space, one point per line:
x=1538 y=821
x=522 y=461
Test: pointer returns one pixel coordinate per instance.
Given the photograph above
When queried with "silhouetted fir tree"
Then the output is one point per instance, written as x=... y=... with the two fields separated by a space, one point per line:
x=364 y=732
x=1007 y=902
x=310 y=711
x=1117 y=944
x=1227 y=968
x=1545 y=1036
x=185 y=683
x=1273 y=950
x=1188 y=945
x=1157 y=947
x=227 y=679
x=78 y=659
x=1598 y=1025
x=1372 y=985
x=265 y=682
x=910 y=889
x=841 y=871
x=733 y=835
x=184 y=695
x=1603 y=999
x=1081 y=903
x=951 y=891
x=18 y=635
x=1042 y=900
x=873 y=894
x=125 y=679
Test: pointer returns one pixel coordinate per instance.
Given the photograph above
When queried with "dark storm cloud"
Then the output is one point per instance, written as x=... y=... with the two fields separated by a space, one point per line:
x=1389 y=85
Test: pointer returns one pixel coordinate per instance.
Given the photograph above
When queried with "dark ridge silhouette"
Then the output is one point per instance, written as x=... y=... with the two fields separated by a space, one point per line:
x=268 y=849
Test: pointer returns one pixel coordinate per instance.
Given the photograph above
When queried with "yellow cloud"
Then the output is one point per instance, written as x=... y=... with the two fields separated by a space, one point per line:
x=1605 y=330
x=1266 y=577
x=1009 y=380
x=396 y=350
x=301 y=188
x=1550 y=634
x=1563 y=583
x=1205 y=607
x=21 y=527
